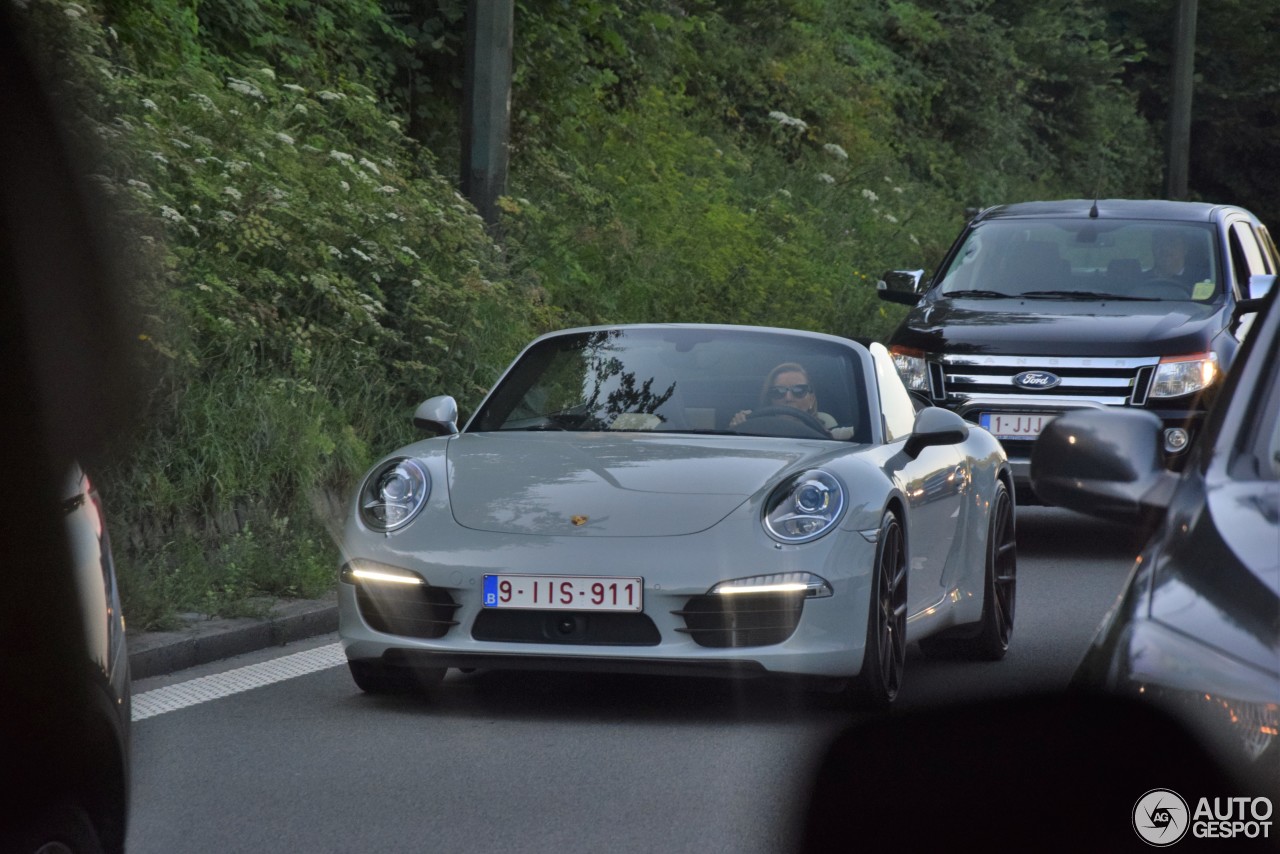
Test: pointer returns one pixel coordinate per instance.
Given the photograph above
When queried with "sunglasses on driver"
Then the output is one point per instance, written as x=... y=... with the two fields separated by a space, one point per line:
x=778 y=392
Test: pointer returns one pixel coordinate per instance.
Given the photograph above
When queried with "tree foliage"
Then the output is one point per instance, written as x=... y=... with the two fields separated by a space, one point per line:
x=1235 y=127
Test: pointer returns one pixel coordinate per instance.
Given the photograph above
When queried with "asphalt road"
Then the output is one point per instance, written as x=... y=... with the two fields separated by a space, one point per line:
x=278 y=750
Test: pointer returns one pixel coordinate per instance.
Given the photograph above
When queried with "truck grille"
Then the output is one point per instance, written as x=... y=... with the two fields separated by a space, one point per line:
x=963 y=382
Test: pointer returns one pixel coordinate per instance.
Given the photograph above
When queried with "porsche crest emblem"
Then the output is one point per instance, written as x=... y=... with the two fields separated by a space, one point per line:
x=578 y=521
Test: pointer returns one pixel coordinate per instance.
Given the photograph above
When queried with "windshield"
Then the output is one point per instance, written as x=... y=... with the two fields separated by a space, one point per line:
x=679 y=380
x=1086 y=259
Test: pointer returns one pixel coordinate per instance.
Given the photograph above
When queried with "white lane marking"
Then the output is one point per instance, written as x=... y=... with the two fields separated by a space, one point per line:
x=206 y=688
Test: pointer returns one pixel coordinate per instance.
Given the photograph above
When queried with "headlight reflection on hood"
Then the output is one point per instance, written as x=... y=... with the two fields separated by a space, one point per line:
x=804 y=507
x=1232 y=700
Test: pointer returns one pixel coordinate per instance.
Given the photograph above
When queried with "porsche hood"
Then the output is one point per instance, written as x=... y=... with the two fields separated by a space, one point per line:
x=593 y=484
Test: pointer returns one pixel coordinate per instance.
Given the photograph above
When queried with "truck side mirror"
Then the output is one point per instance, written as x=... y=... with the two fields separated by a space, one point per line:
x=1256 y=293
x=901 y=286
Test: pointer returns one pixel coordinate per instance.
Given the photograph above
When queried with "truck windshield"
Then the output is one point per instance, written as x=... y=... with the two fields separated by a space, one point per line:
x=1087 y=259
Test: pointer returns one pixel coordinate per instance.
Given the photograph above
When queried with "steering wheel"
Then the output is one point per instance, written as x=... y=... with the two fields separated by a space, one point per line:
x=805 y=418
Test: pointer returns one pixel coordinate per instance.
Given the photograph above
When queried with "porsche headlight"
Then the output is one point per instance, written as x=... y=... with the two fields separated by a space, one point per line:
x=804 y=507
x=911 y=367
x=1179 y=375
x=393 y=493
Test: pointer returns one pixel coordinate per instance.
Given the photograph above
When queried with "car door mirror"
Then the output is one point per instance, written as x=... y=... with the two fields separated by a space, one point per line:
x=1105 y=463
x=901 y=286
x=437 y=415
x=1260 y=284
x=1259 y=287
x=935 y=426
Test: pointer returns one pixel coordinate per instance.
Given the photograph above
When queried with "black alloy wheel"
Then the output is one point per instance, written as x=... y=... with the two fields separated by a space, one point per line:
x=886 y=651
x=1001 y=585
x=988 y=639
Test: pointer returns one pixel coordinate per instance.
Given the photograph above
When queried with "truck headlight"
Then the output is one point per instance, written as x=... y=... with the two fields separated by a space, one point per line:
x=912 y=367
x=1181 y=375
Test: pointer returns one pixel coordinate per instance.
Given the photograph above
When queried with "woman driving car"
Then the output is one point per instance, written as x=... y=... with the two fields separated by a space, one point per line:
x=788 y=385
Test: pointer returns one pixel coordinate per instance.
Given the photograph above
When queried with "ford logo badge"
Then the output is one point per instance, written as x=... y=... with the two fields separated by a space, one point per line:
x=1037 y=380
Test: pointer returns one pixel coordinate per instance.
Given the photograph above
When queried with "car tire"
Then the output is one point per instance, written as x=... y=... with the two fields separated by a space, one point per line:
x=1000 y=589
x=375 y=677
x=880 y=680
x=63 y=828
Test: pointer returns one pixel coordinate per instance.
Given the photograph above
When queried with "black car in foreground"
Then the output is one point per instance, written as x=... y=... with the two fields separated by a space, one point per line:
x=69 y=391
x=1197 y=628
x=1047 y=307
x=66 y=740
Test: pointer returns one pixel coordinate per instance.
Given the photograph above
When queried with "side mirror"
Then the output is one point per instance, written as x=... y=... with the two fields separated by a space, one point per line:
x=935 y=426
x=437 y=415
x=1259 y=287
x=1260 y=284
x=901 y=286
x=1103 y=462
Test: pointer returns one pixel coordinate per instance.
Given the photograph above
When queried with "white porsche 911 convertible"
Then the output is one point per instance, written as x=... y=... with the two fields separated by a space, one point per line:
x=709 y=500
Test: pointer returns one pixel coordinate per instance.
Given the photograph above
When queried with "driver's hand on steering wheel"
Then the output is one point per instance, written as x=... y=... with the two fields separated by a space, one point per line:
x=739 y=416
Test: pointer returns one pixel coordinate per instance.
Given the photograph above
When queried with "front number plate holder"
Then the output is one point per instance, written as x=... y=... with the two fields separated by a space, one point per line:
x=564 y=592
x=1015 y=425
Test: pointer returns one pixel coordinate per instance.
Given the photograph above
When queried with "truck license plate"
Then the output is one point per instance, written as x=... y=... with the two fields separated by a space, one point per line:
x=1015 y=425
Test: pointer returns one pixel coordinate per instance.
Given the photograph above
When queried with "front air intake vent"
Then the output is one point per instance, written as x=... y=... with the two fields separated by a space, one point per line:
x=744 y=619
x=418 y=611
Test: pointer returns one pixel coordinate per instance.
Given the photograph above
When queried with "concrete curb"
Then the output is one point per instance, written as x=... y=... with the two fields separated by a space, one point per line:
x=204 y=641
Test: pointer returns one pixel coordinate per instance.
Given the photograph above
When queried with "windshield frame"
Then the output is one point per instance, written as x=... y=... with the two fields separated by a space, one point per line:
x=736 y=361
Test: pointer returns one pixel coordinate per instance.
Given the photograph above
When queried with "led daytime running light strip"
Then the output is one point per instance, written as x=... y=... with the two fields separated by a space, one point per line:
x=374 y=575
x=792 y=587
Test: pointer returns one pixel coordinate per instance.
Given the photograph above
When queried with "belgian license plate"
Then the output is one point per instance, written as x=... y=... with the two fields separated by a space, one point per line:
x=564 y=592
x=1015 y=425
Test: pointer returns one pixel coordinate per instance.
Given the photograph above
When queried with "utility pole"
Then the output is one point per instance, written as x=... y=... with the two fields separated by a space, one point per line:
x=1184 y=59
x=486 y=103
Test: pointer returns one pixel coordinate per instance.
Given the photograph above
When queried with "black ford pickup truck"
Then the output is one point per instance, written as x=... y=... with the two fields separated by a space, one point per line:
x=1043 y=307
